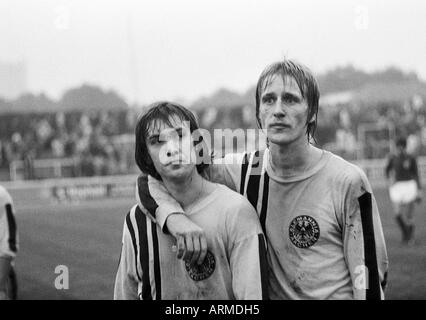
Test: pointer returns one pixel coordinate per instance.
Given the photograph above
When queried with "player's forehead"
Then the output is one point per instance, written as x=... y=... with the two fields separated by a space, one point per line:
x=163 y=125
x=280 y=82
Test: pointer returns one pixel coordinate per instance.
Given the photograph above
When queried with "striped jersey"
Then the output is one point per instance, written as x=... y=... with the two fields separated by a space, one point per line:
x=324 y=234
x=8 y=230
x=149 y=268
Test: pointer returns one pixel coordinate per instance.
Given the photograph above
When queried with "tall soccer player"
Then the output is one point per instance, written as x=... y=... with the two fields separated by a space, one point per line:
x=404 y=188
x=149 y=269
x=8 y=246
x=318 y=211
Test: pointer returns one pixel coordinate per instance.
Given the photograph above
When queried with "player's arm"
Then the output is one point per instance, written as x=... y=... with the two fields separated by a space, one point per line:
x=153 y=195
x=156 y=202
x=129 y=274
x=363 y=239
x=247 y=250
x=168 y=213
x=417 y=179
x=416 y=173
x=229 y=170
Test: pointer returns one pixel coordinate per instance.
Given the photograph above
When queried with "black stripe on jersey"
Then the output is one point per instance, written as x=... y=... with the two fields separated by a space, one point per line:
x=135 y=248
x=12 y=227
x=244 y=168
x=253 y=190
x=265 y=196
x=157 y=273
x=253 y=183
x=263 y=267
x=144 y=253
x=147 y=200
x=365 y=204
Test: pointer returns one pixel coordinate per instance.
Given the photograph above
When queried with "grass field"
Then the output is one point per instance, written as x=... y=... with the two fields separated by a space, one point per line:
x=86 y=238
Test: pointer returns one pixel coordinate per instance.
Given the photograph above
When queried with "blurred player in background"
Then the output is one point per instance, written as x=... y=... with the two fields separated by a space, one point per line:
x=149 y=269
x=404 y=188
x=318 y=211
x=8 y=246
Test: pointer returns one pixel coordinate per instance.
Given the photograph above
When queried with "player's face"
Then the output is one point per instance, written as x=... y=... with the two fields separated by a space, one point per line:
x=171 y=149
x=283 y=111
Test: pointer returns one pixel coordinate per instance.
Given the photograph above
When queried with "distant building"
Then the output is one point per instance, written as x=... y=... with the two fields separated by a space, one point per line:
x=13 y=79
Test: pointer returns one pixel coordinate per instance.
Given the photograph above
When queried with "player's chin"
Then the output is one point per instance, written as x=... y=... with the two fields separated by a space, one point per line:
x=280 y=138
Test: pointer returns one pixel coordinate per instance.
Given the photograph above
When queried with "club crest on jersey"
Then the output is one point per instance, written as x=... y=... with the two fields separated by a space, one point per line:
x=203 y=271
x=304 y=231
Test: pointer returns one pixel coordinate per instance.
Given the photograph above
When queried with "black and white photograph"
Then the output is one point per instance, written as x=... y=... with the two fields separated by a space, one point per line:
x=231 y=151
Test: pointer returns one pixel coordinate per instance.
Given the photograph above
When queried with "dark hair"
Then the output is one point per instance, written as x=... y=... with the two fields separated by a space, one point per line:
x=163 y=111
x=306 y=82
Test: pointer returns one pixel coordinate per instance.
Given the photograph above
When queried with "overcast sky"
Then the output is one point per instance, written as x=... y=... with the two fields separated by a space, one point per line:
x=169 y=49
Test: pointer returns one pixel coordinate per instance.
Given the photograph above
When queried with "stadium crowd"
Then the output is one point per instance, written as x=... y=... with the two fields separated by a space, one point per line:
x=357 y=131
x=101 y=142
x=97 y=141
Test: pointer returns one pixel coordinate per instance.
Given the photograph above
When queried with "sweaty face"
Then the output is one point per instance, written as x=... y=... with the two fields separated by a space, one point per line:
x=171 y=149
x=283 y=111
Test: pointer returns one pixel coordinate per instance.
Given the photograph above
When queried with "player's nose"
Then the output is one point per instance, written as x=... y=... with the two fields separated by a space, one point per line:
x=172 y=148
x=279 y=110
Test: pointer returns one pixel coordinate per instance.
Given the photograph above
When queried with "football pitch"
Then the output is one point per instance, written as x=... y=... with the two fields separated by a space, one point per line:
x=86 y=238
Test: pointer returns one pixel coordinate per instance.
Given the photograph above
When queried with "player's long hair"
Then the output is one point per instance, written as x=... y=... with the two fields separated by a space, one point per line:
x=306 y=82
x=164 y=112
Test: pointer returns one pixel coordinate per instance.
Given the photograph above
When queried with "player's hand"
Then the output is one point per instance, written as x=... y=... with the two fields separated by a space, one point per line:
x=190 y=238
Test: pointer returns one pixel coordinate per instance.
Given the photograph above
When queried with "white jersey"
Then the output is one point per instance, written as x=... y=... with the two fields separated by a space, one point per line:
x=8 y=230
x=325 y=239
x=149 y=268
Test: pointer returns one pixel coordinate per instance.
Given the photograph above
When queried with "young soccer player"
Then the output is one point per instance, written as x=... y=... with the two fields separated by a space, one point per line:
x=318 y=211
x=149 y=268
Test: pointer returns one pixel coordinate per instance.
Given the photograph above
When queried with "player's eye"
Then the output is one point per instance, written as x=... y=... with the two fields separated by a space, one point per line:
x=290 y=99
x=268 y=99
x=154 y=140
